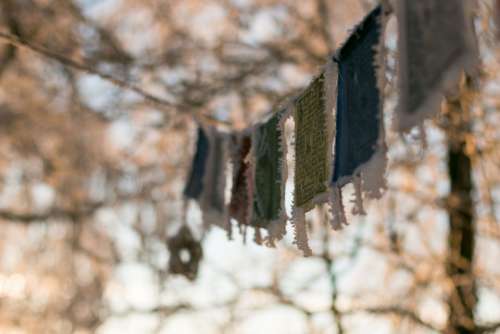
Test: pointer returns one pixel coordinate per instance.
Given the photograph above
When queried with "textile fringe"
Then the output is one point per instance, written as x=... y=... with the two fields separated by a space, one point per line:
x=229 y=230
x=244 y=233
x=337 y=209
x=358 y=208
x=240 y=229
x=300 y=231
x=258 y=236
x=372 y=174
x=423 y=137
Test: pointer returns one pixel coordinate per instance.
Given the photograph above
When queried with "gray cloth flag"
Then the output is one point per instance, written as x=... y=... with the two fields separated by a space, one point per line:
x=212 y=200
x=436 y=43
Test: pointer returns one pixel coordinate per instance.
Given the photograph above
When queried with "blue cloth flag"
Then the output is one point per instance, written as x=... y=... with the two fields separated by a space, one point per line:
x=358 y=126
x=194 y=186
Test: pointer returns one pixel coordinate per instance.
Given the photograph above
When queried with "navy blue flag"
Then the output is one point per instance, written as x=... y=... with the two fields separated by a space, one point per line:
x=194 y=185
x=359 y=123
x=359 y=140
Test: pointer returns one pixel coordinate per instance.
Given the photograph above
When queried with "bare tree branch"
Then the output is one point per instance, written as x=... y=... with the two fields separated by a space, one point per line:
x=395 y=310
x=490 y=328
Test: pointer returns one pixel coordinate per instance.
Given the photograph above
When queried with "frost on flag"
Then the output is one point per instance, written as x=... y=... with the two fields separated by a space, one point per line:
x=269 y=175
x=313 y=117
x=194 y=185
x=360 y=151
x=436 y=43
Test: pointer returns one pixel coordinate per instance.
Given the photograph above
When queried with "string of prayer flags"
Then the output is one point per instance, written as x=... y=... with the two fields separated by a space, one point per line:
x=314 y=130
x=269 y=177
x=241 y=144
x=360 y=150
x=436 y=44
x=194 y=185
x=212 y=201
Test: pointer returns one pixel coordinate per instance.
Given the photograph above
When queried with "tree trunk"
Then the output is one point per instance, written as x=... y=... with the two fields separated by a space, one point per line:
x=462 y=297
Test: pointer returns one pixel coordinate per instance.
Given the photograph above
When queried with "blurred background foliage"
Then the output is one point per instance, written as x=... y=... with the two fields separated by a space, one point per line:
x=97 y=102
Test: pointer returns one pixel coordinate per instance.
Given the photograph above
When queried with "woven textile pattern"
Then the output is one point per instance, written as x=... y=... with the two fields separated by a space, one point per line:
x=194 y=186
x=238 y=207
x=310 y=144
x=358 y=101
x=267 y=182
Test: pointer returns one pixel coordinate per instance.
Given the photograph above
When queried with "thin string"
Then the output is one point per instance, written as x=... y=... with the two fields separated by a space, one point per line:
x=154 y=100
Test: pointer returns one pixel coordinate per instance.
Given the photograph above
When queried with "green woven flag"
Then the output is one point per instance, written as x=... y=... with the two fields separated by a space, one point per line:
x=312 y=163
x=267 y=199
x=313 y=114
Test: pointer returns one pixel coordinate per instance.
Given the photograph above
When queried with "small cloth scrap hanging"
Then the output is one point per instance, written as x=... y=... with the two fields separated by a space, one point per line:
x=436 y=43
x=314 y=130
x=184 y=241
x=241 y=144
x=269 y=176
x=212 y=201
x=360 y=150
x=194 y=185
